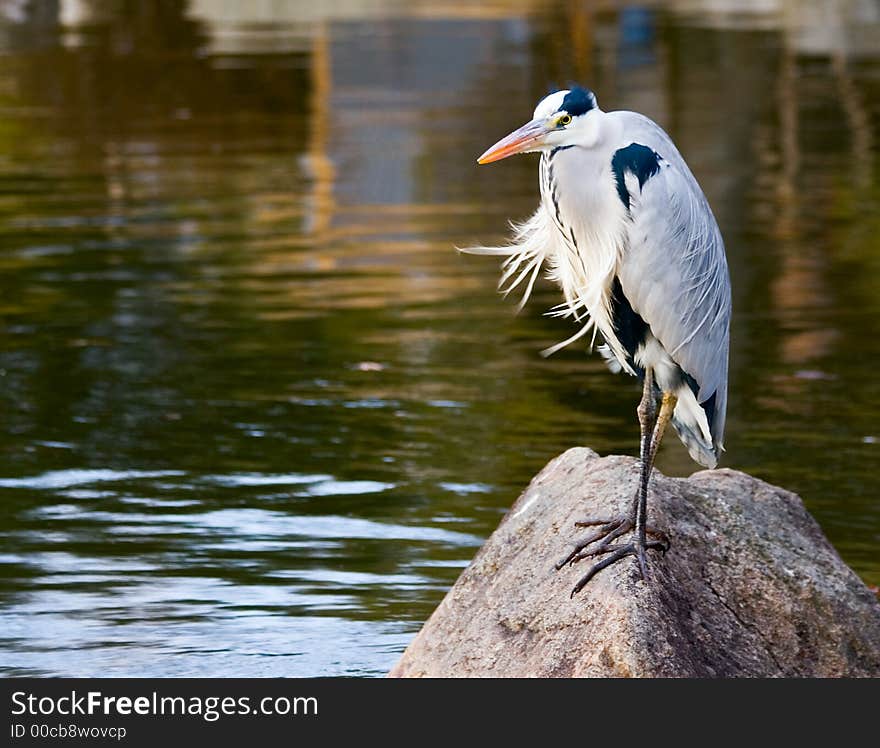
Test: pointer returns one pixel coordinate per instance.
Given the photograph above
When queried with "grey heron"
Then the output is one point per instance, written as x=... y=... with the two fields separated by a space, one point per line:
x=626 y=232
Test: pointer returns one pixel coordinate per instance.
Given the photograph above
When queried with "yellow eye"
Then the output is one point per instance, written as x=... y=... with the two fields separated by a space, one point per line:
x=564 y=120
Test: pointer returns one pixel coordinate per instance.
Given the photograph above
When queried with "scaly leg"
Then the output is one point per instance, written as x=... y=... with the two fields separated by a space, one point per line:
x=648 y=419
x=667 y=406
x=653 y=426
x=609 y=529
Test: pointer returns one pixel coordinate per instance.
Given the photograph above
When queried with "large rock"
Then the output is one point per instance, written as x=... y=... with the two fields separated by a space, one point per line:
x=750 y=587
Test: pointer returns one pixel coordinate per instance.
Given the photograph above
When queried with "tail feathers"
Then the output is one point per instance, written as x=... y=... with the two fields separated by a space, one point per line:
x=692 y=426
x=697 y=447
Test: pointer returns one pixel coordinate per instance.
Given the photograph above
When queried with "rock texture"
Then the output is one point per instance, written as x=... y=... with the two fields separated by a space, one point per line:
x=750 y=587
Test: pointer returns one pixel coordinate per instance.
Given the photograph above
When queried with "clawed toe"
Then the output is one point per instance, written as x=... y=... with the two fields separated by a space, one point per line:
x=602 y=542
x=601 y=550
x=608 y=531
x=615 y=553
x=594 y=522
x=661 y=537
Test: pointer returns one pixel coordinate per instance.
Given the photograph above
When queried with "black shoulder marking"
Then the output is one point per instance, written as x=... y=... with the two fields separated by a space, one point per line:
x=639 y=160
x=578 y=101
x=631 y=329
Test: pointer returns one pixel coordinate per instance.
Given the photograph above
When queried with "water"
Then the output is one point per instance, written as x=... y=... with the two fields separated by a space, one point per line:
x=257 y=413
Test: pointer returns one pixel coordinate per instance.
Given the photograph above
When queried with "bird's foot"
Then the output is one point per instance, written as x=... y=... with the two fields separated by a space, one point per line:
x=615 y=553
x=608 y=530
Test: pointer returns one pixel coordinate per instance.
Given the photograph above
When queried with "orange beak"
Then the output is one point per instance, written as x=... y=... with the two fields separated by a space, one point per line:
x=528 y=138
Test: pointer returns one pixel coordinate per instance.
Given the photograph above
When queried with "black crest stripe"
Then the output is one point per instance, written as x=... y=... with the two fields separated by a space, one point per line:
x=578 y=101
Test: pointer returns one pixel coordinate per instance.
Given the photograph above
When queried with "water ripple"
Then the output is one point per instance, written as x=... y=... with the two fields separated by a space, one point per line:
x=75 y=477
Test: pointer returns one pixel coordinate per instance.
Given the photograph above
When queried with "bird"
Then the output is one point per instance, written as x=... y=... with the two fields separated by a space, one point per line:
x=625 y=231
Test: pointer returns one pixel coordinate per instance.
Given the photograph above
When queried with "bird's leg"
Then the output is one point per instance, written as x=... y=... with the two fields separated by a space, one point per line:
x=653 y=426
x=647 y=412
x=610 y=529
x=649 y=452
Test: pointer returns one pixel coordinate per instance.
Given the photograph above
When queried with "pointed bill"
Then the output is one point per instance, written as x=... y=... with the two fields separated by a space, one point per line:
x=529 y=137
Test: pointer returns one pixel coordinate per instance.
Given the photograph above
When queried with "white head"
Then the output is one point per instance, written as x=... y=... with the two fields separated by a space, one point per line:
x=561 y=119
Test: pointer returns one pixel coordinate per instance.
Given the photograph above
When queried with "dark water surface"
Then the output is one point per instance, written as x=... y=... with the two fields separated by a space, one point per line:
x=256 y=413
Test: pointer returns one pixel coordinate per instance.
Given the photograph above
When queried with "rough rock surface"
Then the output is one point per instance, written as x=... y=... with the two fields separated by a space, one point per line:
x=750 y=587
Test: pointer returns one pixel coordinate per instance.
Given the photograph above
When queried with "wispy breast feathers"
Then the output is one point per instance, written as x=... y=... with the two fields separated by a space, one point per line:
x=524 y=256
x=538 y=240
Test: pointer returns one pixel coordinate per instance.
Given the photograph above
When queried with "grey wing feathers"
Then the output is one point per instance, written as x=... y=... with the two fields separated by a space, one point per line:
x=674 y=273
